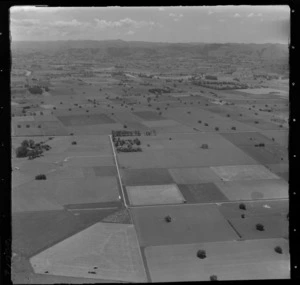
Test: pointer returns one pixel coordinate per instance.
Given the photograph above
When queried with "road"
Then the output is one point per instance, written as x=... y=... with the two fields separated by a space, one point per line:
x=117 y=166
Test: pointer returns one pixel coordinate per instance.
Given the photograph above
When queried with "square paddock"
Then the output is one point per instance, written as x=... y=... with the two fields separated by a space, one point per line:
x=102 y=251
x=270 y=154
x=86 y=161
x=27 y=128
x=151 y=176
x=255 y=189
x=154 y=194
x=52 y=194
x=274 y=227
x=100 y=129
x=105 y=170
x=243 y=172
x=87 y=191
x=161 y=123
x=82 y=120
x=149 y=116
x=280 y=137
x=53 y=128
x=193 y=175
x=202 y=193
x=172 y=158
x=258 y=208
x=35 y=231
x=246 y=138
x=18 y=119
x=242 y=260
x=190 y=224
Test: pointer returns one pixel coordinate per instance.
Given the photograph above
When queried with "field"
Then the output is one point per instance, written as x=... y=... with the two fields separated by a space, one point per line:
x=241 y=260
x=152 y=176
x=105 y=251
x=191 y=223
x=254 y=189
x=202 y=193
x=35 y=231
x=154 y=194
x=213 y=162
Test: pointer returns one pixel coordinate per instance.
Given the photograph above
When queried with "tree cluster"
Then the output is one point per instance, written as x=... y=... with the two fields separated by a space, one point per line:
x=127 y=145
x=125 y=133
x=31 y=149
x=35 y=90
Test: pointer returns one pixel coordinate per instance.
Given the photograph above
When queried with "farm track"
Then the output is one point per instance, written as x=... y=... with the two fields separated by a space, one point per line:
x=215 y=203
x=119 y=176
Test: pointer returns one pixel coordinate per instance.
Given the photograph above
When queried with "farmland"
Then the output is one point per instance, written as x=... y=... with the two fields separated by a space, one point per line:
x=125 y=165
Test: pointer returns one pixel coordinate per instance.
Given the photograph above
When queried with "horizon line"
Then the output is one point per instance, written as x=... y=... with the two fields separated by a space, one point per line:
x=92 y=40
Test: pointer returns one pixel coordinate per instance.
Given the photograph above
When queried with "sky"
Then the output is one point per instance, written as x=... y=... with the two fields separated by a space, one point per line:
x=206 y=24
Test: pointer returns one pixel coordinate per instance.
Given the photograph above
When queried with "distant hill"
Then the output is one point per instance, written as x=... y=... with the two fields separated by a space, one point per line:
x=270 y=54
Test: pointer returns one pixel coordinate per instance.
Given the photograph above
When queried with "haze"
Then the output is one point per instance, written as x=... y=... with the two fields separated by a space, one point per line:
x=218 y=24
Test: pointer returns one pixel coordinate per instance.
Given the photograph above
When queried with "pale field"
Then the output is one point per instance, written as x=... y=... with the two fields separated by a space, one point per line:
x=243 y=172
x=109 y=250
x=154 y=194
x=254 y=189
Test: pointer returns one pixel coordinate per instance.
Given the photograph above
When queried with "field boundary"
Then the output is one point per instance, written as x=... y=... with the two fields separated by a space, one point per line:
x=213 y=203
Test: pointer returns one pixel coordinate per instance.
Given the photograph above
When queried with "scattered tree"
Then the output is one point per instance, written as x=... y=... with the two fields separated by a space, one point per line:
x=168 y=219
x=74 y=142
x=201 y=254
x=40 y=177
x=260 y=227
x=278 y=249
x=204 y=146
x=242 y=206
x=213 y=278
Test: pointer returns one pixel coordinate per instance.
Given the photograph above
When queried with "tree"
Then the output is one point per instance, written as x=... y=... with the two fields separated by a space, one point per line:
x=74 y=142
x=278 y=249
x=213 y=278
x=204 y=146
x=21 y=151
x=201 y=254
x=168 y=219
x=31 y=143
x=40 y=177
x=242 y=206
x=25 y=143
x=260 y=227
